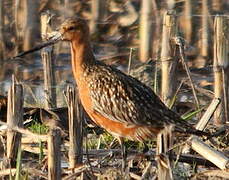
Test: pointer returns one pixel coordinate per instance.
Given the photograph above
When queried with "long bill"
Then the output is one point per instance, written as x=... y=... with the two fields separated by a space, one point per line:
x=56 y=36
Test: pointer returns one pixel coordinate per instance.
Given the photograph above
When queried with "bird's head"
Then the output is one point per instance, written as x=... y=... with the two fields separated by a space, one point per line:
x=74 y=29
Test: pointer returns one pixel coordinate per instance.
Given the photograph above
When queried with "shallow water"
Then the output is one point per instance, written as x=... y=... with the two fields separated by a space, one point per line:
x=29 y=71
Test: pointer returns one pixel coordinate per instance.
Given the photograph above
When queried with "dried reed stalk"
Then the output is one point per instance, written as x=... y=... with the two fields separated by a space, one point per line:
x=178 y=41
x=221 y=44
x=204 y=120
x=49 y=78
x=205 y=29
x=212 y=173
x=146 y=171
x=217 y=5
x=33 y=149
x=130 y=61
x=201 y=125
x=168 y=57
x=156 y=30
x=34 y=172
x=14 y=119
x=30 y=29
x=216 y=157
x=135 y=176
x=2 y=39
x=48 y=63
x=188 y=20
x=75 y=117
x=164 y=143
x=145 y=30
x=98 y=10
x=7 y=172
x=69 y=8
x=23 y=131
x=54 y=155
x=76 y=173
x=19 y=25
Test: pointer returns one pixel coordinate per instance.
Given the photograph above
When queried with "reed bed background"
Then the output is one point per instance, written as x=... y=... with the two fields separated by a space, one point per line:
x=178 y=48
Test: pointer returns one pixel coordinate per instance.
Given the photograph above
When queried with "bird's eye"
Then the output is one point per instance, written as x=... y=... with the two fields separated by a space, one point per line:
x=71 y=28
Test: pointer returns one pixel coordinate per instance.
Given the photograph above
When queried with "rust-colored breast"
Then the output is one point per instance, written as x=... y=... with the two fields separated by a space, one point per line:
x=85 y=98
x=123 y=105
x=132 y=131
x=119 y=129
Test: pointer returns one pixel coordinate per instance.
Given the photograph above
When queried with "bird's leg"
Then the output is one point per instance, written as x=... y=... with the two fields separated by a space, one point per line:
x=146 y=148
x=124 y=153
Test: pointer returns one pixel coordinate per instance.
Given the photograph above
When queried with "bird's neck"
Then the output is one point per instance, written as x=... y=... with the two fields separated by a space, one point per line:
x=82 y=56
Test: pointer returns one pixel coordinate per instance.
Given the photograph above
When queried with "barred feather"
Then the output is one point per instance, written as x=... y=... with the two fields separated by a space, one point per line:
x=119 y=103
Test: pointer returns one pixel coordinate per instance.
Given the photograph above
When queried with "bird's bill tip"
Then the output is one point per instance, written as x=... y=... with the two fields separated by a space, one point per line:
x=55 y=36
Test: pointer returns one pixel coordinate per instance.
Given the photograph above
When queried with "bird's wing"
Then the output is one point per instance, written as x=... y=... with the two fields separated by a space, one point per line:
x=125 y=99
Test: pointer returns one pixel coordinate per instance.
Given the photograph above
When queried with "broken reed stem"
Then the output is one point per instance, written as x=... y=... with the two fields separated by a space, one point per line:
x=205 y=29
x=219 y=116
x=208 y=114
x=168 y=58
x=164 y=143
x=25 y=132
x=75 y=116
x=205 y=119
x=46 y=18
x=145 y=30
x=14 y=119
x=54 y=154
x=216 y=157
x=49 y=78
x=220 y=65
x=48 y=64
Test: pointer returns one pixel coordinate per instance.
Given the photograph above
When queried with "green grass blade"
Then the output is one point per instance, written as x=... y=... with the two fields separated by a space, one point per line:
x=191 y=114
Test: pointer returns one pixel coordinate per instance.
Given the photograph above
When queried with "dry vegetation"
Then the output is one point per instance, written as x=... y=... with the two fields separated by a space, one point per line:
x=178 y=48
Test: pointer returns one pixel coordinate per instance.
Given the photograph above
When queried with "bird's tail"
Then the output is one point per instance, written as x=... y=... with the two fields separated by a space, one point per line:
x=198 y=132
x=193 y=131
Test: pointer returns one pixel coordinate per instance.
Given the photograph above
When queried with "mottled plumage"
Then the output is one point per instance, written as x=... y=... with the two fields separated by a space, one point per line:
x=117 y=102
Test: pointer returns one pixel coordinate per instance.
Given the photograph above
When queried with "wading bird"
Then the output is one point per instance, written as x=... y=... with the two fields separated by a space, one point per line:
x=119 y=103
